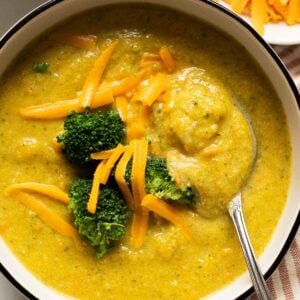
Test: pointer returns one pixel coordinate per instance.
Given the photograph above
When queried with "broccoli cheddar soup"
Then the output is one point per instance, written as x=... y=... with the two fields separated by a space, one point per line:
x=125 y=134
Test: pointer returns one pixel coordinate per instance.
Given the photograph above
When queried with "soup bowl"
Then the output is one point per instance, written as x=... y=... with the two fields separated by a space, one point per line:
x=55 y=11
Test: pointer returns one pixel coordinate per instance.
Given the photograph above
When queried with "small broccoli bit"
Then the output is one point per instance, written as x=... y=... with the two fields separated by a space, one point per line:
x=160 y=183
x=40 y=67
x=88 y=132
x=108 y=224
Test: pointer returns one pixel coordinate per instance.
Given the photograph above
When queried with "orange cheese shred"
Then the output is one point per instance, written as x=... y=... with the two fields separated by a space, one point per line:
x=148 y=92
x=129 y=83
x=102 y=154
x=95 y=191
x=45 y=189
x=168 y=103
x=284 y=2
x=139 y=161
x=120 y=173
x=259 y=15
x=150 y=59
x=167 y=59
x=87 y=41
x=94 y=77
x=134 y=131
x=102 y=97
x=262 y=11
x=122 y=107
x=144 y=115
x=56 y=110
x=293 y=13
x=238 y=5
x=281 y=9
x=51 y=219
x=57 y=147
x=273 y=14
x=166 y=211
x=60 y=109
x=111 y=162
x=139 y=227
x=83 y=41
x=140 y=218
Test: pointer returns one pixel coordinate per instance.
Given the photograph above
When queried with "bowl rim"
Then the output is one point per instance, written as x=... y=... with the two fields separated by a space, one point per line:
x=50 y=3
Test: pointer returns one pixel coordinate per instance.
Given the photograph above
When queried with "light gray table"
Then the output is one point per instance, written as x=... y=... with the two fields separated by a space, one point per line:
x=10 y=12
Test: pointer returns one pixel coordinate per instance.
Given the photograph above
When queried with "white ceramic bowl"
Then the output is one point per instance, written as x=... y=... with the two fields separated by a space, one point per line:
x=55 y=11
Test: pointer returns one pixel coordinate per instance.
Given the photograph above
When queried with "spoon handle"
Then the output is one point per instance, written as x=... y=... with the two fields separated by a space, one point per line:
x=257 y=278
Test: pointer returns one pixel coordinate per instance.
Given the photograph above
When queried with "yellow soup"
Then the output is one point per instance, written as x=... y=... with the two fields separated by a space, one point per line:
x=199 y=124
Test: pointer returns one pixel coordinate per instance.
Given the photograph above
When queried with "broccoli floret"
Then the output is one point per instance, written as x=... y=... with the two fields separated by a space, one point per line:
x=41 y=68
x=88 y=132
x=160 y=183
x=108 y=224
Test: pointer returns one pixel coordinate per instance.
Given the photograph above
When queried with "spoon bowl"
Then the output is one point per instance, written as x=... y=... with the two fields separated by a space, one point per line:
x=236 y=213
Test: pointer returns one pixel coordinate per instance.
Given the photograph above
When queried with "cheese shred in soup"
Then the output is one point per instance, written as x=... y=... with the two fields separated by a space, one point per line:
x=205 y=87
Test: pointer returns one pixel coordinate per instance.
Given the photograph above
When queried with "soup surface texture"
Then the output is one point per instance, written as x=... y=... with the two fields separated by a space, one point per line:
x=202 y=133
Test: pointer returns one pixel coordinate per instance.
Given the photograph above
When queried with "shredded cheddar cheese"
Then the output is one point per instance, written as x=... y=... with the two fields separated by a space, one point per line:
x=61 y=109
x=128 y=84
x=51 y=219
x=122 y=107
x=134 y=130
x=151 y=90
x=45 y=189
x=111 y=162
x=144 y=88
x=144 y=115
x=87 y=41
x=167 y=59
x=263 y=11
x=93 y=79
x=95 y=191
x=102 y=154
x=139 y=227
x=166 y=211
x=141 y=215
x=120 y=173
x=140 y=153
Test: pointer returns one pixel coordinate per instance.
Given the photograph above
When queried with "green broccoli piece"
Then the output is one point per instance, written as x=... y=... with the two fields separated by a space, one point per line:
x=160 y=183
x=108 y=225
x=88 y=132
x=41 y=68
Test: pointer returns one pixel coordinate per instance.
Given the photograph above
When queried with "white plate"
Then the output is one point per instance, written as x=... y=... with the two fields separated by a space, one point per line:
x=277 y=33
x=282 y=34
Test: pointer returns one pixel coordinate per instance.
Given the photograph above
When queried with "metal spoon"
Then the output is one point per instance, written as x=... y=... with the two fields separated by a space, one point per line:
x=236 y=214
